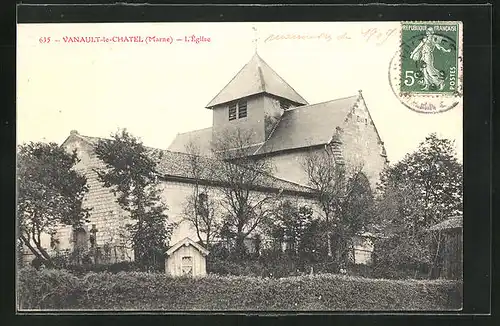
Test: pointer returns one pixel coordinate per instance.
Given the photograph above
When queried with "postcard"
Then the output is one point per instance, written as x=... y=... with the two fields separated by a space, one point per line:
x=292 y=166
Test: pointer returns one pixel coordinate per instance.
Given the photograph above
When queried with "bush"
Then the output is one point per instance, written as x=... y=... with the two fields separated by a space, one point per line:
x=270 y=263
x=401 y=256
x=61 y=290
x=229 y=267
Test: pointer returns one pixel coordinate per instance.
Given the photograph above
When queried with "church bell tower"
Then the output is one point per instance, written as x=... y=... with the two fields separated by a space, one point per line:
x=253 y=102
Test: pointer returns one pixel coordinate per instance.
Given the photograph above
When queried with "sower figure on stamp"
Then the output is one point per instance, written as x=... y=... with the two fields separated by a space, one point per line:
x=424 y=52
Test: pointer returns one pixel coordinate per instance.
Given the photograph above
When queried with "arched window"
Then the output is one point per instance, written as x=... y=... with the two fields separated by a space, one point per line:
x=363 y=182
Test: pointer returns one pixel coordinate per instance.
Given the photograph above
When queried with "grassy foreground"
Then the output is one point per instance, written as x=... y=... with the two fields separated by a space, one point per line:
x=61 y=290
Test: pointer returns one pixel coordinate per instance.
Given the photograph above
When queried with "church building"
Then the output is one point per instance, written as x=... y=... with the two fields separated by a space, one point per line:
x=283 y=128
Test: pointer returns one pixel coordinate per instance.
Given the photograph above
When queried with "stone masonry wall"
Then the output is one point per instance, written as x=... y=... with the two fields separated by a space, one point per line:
x=361 y=145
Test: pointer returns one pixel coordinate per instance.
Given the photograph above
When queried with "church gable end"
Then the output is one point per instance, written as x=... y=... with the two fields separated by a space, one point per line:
x=105 y=214
x=361 y=144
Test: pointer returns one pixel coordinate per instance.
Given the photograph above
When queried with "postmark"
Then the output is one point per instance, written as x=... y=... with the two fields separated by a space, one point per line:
x=426 y=71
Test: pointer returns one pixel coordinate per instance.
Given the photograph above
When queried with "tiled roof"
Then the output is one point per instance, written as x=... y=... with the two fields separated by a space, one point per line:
x=450 y=223
x=308 y=125
x=176 y=164
x=303 y=126
x=200 y=137
x=254 y=78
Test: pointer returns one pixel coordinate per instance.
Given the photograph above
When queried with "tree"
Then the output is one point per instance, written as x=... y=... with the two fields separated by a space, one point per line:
x=50 y=193
x=200 y=207
x=130 y=171
x=423 y=189
x=344 y=197
x=288 y=223
x=435 y=175
x=240 y=174
x=295 y=226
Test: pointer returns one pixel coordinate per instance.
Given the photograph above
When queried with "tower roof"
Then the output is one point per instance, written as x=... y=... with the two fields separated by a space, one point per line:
x=254 y=78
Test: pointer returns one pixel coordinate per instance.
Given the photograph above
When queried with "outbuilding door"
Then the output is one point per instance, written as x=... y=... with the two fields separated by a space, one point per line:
x=187 y=266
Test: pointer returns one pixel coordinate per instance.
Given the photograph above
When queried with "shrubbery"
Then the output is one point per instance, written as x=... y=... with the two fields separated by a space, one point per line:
x=59 y=289
x=401 y=257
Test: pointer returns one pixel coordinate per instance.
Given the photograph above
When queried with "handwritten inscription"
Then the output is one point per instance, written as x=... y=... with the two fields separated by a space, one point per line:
x=377 y=35
x=281 y=37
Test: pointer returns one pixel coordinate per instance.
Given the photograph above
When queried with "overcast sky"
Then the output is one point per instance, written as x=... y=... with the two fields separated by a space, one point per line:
x=157 y=90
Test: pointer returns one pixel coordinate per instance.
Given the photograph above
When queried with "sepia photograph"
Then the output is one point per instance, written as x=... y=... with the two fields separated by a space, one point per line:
x=305 y=166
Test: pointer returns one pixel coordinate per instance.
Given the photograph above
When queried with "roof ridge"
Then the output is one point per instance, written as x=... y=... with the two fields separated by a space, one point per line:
x=309 y=105
x=262 y=80
x=88 y=138
x=234 y=77
x=373 y=122
x=284 y=81
x=184 y=240
x=256 y=77
x=188 y=132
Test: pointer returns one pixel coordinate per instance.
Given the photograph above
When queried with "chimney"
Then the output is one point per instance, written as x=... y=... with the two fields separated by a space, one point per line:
x=74 y=132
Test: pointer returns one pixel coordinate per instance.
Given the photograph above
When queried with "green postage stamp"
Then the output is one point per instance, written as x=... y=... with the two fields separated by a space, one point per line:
x=426 y=72
x=429 y=57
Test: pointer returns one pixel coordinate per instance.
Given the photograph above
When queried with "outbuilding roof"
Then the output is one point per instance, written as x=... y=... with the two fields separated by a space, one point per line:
x=454 y=222
x=186 y=242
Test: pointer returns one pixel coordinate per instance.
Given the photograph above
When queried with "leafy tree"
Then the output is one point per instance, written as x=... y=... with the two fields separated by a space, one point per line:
x=344 y=197
x=294 y=225
x=423 y=189
x=434 y=174
x=50 y=193
x=240 y=174
x=288 y=224
x=312 y=246
x=130 y=171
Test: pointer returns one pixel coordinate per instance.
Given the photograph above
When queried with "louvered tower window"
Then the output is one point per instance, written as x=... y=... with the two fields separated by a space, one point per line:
x=232 y=111
x=238 y=110
x=242 y=109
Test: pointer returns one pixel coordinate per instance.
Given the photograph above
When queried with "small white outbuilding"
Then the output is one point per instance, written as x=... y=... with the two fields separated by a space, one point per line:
x=186 y=258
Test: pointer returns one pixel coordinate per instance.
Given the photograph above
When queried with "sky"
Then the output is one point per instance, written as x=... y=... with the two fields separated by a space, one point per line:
x=158 y=89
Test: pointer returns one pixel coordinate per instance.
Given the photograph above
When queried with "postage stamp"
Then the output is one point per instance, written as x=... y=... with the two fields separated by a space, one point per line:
x=429 y=57
x=426 y=72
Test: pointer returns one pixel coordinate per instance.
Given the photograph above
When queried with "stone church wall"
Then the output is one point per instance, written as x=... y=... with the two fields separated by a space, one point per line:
x=361 y=144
